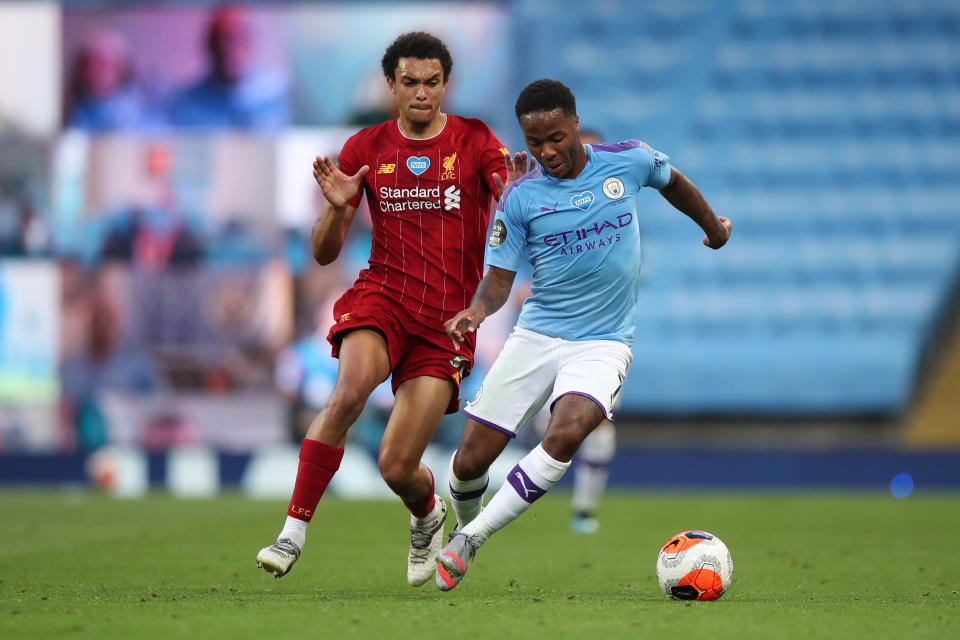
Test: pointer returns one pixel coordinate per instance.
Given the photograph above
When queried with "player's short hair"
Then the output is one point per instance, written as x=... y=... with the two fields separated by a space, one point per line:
x=546 y=95
x=416 y=44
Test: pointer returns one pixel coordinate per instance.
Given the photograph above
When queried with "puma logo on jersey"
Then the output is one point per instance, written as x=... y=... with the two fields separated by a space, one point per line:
x=451 y=198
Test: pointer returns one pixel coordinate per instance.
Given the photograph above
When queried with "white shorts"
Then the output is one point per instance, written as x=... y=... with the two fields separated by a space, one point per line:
x=533 y=369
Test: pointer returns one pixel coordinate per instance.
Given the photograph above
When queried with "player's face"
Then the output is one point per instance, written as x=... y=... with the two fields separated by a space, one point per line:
x=419 y=85
x=554 y=140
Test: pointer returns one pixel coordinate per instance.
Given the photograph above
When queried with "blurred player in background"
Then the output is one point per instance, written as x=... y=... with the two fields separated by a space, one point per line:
x=103 y=93
x=575 y=219
x=234 y=92
x=428 y=177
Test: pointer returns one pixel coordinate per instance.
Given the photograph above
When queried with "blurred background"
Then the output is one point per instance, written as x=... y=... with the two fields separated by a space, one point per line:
x=162 y=322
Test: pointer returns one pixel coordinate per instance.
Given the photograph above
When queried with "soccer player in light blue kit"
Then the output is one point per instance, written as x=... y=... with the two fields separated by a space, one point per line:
x=575 y=219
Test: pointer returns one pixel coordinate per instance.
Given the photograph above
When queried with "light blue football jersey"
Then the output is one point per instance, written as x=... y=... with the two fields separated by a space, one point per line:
x=582 y=239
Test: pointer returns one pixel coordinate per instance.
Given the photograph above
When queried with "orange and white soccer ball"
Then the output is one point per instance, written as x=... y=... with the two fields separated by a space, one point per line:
x=694 y=565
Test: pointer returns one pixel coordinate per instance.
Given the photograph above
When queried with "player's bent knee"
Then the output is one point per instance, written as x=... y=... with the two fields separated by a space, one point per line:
x=345 y=405
x=563 y=439
x=469 y=464
x=398 y=474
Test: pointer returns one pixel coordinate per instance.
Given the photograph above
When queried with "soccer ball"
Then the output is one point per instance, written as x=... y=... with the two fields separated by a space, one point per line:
x=694 y=565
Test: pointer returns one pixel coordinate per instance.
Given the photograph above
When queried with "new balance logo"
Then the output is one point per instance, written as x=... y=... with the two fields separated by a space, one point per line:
x=451 y=198
x=387 y=168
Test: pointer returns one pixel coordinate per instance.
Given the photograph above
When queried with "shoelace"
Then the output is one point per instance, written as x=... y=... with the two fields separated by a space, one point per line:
x=472 y=540
x=286 y=545
x=420 y=537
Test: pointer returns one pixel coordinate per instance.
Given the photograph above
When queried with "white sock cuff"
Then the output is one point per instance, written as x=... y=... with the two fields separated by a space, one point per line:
x=544 y=465
x=458 y=486
x=295 y=530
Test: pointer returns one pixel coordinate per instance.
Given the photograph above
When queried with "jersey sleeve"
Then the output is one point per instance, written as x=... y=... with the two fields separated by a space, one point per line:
x=508 y=236
x=350 y=161
x=652 y=167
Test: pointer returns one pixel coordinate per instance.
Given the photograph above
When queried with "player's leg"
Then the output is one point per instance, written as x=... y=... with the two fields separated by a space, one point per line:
x=587 y=371
x=364 y=363
x=574 y=417
x=479 y=447
x=518 y=385
x=515 y=389
x=590 y=476
x=420 y=404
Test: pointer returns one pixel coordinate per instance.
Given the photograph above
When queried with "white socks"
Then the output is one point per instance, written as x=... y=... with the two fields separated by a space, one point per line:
x=414 y=520
x=294 y=529
x=530 y=479
x=466 y=496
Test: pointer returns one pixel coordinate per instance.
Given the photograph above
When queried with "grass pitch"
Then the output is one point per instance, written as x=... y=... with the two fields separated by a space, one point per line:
x=806 y=565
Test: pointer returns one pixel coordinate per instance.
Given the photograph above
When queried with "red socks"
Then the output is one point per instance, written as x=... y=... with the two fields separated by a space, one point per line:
x=318 y=463
x=422 y=507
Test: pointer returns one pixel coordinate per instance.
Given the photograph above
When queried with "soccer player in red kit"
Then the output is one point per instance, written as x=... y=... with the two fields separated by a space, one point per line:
x=428 y=177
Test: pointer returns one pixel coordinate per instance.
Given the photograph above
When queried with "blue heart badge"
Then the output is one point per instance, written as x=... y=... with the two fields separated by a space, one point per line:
x=418 y=165
x=583 y=200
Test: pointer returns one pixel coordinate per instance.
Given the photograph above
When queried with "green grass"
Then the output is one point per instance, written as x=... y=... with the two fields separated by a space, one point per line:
x=807 y=565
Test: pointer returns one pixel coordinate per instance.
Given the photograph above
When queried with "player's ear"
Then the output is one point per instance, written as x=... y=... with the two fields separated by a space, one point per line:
x=392 y=84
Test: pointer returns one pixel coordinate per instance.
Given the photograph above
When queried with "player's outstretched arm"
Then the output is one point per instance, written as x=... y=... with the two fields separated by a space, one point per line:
x=330 y=232
x=330 y=229
x=492 y=293
x=685 y=196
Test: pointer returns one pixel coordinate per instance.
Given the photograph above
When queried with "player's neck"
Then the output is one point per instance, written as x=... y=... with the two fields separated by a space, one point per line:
x=581 y=163
x=417 y=131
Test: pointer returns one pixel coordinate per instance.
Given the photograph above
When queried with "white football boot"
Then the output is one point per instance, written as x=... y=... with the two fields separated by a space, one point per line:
x=279 y=557
x=425 y=543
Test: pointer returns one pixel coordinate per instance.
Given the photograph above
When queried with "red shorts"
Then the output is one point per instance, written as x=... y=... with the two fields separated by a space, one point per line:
x=414 y=347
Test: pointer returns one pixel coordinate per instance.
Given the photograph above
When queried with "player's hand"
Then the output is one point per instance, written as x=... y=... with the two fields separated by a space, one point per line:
x=464 y=322
x=337 y=186
x=517 y=166
x=719 y=239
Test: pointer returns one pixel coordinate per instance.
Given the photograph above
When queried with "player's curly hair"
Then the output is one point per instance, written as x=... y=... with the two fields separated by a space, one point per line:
x=546 y=95
x=416 y=44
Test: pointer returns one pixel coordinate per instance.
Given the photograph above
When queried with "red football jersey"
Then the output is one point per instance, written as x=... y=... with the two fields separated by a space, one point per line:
x=429 y=203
